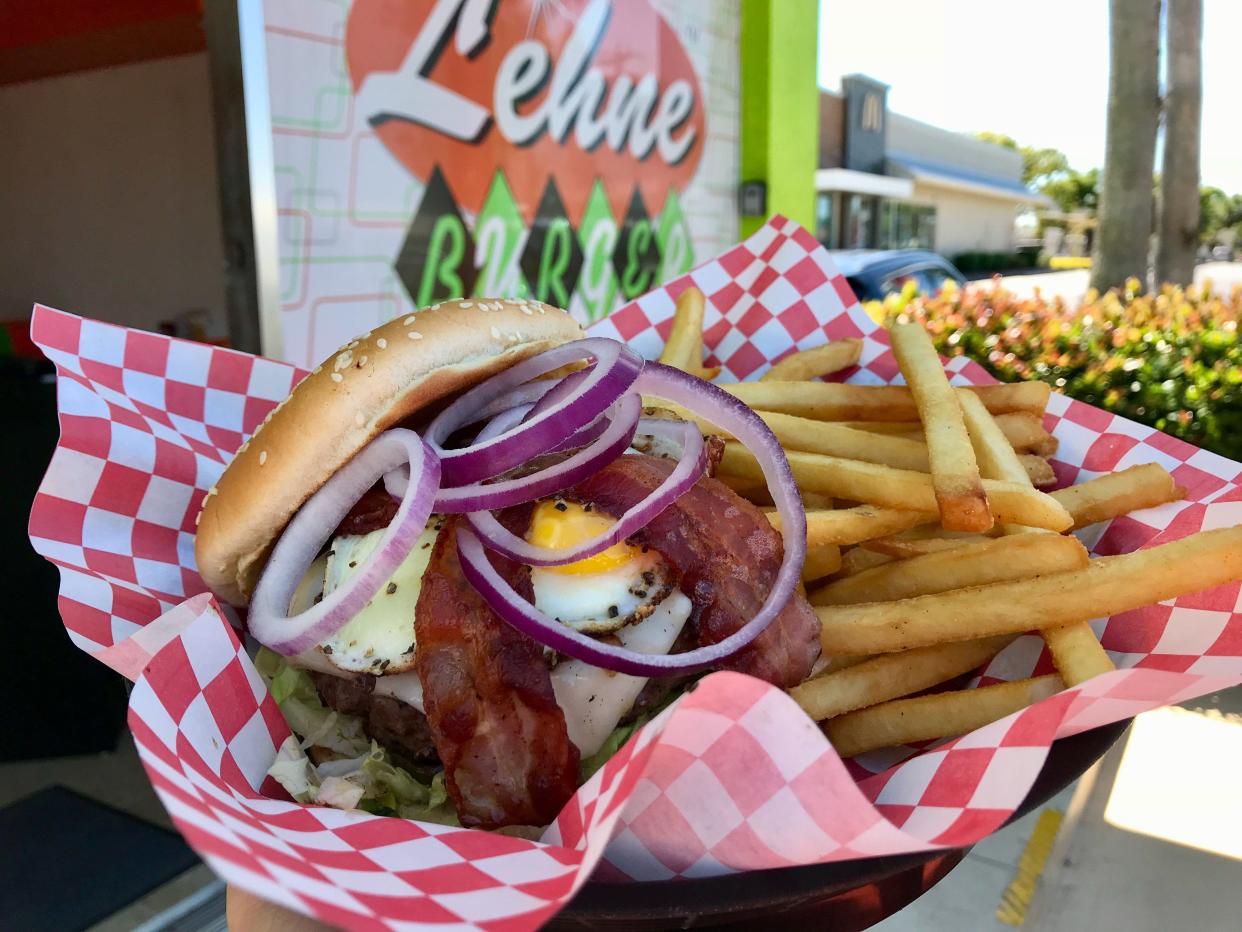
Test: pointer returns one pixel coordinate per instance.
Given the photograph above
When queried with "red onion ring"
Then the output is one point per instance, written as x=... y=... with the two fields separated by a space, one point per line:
x=503 y=422
x=691 y=466
x=313 y=525
x=748 y=428
x=615 y=370
x=491 y=496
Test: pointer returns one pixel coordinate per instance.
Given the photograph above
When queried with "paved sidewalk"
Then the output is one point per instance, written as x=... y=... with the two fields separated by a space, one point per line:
x=1072 y=284
x=1151 y=840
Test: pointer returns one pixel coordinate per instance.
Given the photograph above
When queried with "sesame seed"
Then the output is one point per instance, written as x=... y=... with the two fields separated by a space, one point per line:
x=365 y=335
x=197 y=518
x=337 y=377
x=245 y=445
x=527 y=311
x=316 y=370
x=466 y=304
x=381 y=343
x=495 y=333
x=213 y=491
x=414 y=335
x=409 y=320
x=351 y=344
x=343 y=361
x=362 y=361
x=262 y=457
x=435 y=307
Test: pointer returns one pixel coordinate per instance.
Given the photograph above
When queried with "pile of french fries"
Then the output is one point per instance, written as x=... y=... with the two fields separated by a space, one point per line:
x=930 y=546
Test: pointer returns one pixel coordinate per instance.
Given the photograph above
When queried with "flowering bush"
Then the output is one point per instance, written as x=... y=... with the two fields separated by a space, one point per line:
x=1171 y=359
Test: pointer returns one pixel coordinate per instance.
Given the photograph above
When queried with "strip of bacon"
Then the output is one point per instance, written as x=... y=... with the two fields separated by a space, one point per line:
x=728 y=555
x=488 y=696
x=375 y=510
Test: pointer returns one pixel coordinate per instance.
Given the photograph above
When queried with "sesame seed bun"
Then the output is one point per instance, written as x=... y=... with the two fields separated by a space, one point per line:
x=364 y=388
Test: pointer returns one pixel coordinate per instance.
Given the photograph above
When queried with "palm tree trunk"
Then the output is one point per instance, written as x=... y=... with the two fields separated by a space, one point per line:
x=1124 y=235
x=1179 y=175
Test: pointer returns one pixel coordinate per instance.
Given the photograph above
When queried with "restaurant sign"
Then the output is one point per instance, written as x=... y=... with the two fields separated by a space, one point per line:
x=553 y=139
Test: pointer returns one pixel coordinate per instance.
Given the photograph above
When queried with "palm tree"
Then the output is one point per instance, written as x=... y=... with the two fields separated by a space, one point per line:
x=1179 y=175
x=1124 y=232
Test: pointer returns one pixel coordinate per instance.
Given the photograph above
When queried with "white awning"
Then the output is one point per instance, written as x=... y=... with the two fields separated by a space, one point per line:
x=855 y=182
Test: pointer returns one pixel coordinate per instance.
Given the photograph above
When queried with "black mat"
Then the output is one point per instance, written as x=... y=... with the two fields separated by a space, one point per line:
x=69 y=862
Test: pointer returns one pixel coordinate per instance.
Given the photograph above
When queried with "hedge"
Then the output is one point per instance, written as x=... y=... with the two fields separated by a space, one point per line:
x=970 y=262
x=1170 y=359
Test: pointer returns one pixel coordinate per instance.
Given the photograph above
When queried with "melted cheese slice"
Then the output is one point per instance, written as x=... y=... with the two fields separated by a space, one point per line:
x=595 y=700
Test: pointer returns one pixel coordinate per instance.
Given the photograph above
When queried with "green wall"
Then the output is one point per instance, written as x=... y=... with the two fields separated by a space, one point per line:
x=780 y=106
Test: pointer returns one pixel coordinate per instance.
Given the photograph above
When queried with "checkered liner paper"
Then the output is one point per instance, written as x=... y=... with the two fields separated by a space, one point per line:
x=733 y=777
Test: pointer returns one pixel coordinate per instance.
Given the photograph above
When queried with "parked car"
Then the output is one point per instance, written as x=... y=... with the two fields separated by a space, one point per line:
x=874 y=273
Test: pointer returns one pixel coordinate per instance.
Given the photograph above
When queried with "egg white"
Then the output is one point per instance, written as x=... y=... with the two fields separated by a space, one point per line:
x=598 y=603
x=380 y=638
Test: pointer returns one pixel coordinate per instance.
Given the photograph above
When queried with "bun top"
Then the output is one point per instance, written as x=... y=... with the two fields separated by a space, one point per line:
x=367 y=386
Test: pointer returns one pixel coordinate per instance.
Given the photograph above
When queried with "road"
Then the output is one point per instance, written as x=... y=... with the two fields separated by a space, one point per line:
x=1072 y=284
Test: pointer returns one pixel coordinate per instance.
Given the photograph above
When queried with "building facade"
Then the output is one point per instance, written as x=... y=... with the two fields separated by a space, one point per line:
x=886 y=181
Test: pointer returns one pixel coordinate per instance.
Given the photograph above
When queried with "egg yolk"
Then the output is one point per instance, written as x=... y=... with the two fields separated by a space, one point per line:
x=565 y=524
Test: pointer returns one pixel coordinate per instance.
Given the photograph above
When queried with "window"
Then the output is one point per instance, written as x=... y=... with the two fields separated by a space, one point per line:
x=928 y=280
x=859 y=222
x=903 y=226
x=884 y=238
x=823 y=219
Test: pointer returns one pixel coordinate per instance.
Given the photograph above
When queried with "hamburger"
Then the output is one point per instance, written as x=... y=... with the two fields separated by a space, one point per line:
x=476 y=563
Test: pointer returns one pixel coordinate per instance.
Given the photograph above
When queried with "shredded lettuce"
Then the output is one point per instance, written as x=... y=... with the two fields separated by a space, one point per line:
x=363 y=776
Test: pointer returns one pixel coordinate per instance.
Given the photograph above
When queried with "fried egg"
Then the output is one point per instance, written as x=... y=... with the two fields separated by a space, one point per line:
x=620 y=586
x=380 y=638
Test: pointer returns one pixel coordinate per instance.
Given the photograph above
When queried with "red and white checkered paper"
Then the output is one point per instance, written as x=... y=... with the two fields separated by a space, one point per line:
x=733 y=777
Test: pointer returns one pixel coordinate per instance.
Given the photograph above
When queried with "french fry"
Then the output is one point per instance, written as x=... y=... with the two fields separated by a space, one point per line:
x=955 y=473
x=684 y=348
x=852 y=525
x=897 y=488
x=1038 y=470
x=1107 y=586
x=821 y=561
x=891 y=676
x=897 y=428
x=1076 y=651
x=939 y=715
x=817 y=362
x=900 y=548
x=833 y=401
x=995 y=454
x=858 y=559
x=817 y=501
x=1026 y=434
x=1119 y=493
x=833 y=664
x=971 y=564
x=811 y=436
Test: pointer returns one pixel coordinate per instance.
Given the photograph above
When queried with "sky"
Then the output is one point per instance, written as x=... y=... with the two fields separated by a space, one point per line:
x=1035 y=71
